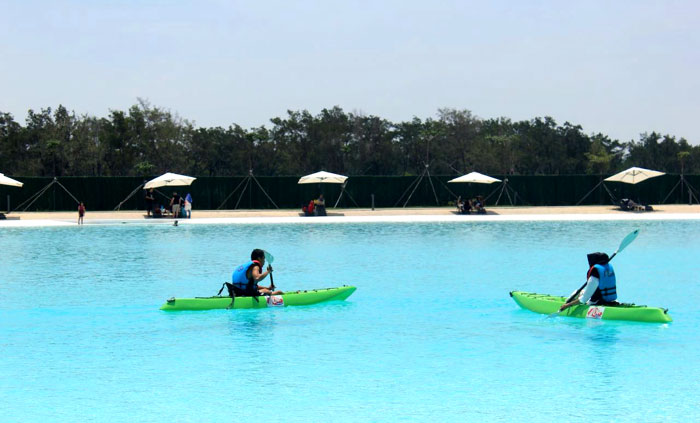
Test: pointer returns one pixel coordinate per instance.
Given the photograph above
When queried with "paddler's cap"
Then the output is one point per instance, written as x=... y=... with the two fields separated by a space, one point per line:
x=597 y=258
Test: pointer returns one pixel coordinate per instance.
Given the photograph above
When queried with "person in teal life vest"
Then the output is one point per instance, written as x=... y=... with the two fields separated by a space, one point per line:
x=601 y=286
x=246 y=277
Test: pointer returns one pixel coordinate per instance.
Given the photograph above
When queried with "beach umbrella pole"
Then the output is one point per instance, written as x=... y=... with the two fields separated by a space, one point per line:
x=416 y=182
x=246 y=186
x=498 y=189
x=430 y=179
x=426 y=171
x=342 y=190
x=262 y=189
x=591 y=191
x=119 y=206
x=691 y=194
x=41 y=192
x=248 y=183
x=35 y=196
x=232 y=192
x=504 y=188
x=420 y=178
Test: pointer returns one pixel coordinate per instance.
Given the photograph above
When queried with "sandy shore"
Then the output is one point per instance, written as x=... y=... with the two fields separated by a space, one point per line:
x=661 y=212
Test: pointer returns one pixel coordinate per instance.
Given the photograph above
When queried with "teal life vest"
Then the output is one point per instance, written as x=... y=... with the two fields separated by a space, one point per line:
x=607 y=289
x=240 y=276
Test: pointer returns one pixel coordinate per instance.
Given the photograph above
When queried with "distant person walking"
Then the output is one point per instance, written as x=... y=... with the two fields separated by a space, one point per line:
x=175 y=205
x=188 y=206
x=81 y=213
x=149 y=202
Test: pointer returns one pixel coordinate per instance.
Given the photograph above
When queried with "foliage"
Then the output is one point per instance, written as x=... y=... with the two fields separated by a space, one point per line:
x=147 y=140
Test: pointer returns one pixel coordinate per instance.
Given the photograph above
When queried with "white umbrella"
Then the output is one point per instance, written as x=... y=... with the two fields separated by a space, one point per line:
x=169 y=180
x=476 y=178
x=322 y=177
x=634 y=175
x=4 y=180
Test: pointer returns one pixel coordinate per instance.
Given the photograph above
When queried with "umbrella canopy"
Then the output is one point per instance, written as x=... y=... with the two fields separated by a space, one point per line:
x=634 y=175
x=322 y=177
x=476 y=178
x=169 y=180
x=4 y=180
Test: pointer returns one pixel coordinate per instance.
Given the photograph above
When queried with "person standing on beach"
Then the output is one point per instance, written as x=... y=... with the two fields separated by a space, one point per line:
x=175 y=205
x=188 y=206
x=149 y=202
x=81 y=213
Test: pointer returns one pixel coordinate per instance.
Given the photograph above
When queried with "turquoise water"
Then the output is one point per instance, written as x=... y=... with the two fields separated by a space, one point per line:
x=430 y=335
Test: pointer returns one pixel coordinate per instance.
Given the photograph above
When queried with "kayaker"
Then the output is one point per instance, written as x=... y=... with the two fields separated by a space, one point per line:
x=246 y=277
x=601 y=285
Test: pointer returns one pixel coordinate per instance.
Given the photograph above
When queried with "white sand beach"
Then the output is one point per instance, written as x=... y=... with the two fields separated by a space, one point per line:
x=413 y=214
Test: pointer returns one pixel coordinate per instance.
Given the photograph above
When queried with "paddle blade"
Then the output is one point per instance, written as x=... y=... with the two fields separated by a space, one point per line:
x=628 y=240
x=269 y=258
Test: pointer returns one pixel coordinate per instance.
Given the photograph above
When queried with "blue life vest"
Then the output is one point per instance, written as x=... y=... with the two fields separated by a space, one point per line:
x=607 y=290
x=240 y=276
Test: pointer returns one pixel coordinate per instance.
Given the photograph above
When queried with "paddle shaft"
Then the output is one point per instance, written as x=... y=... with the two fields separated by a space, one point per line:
x=625 y=242
x=269 y=258
x=578 y=291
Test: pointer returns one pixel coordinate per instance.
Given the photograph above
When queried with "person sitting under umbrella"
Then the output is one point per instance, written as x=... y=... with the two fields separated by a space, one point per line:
x=320 y=206
x=308 y=210
x=478 y=205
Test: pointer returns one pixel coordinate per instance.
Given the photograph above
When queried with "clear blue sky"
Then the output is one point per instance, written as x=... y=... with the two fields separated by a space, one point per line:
x=616 y=67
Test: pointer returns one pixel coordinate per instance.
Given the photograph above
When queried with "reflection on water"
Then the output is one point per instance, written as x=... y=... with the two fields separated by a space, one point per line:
x=250 y=324
x=601 y=334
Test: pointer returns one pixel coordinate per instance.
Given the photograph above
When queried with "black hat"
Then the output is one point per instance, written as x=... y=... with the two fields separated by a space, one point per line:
x=597 y=258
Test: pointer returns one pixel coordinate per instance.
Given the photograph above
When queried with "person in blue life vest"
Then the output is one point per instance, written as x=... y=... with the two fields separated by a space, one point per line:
x=601 y=286
x=246 y=277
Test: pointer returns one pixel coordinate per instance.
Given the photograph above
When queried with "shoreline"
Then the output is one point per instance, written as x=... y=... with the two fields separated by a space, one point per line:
x=413 y=214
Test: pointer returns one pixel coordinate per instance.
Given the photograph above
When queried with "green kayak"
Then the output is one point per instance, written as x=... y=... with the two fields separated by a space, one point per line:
x=296 y=298
x=548 y=304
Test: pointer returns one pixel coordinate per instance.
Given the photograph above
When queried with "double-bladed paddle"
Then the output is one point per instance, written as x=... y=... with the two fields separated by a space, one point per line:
x=269 y=258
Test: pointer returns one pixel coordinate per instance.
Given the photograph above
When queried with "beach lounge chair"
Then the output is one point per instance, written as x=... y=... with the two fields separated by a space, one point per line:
x=628 y=205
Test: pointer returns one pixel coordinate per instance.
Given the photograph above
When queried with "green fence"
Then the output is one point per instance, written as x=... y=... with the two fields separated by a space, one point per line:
x=105 y=193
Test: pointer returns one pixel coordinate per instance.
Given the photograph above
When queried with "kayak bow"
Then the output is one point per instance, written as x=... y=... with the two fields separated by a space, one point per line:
x=548 y=304
x=296 y=298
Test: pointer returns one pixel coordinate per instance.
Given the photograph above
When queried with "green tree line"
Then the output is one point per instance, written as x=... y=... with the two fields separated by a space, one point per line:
x=147 y=140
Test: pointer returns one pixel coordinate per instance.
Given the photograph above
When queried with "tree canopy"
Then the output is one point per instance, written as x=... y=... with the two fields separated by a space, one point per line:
x=147 y=140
